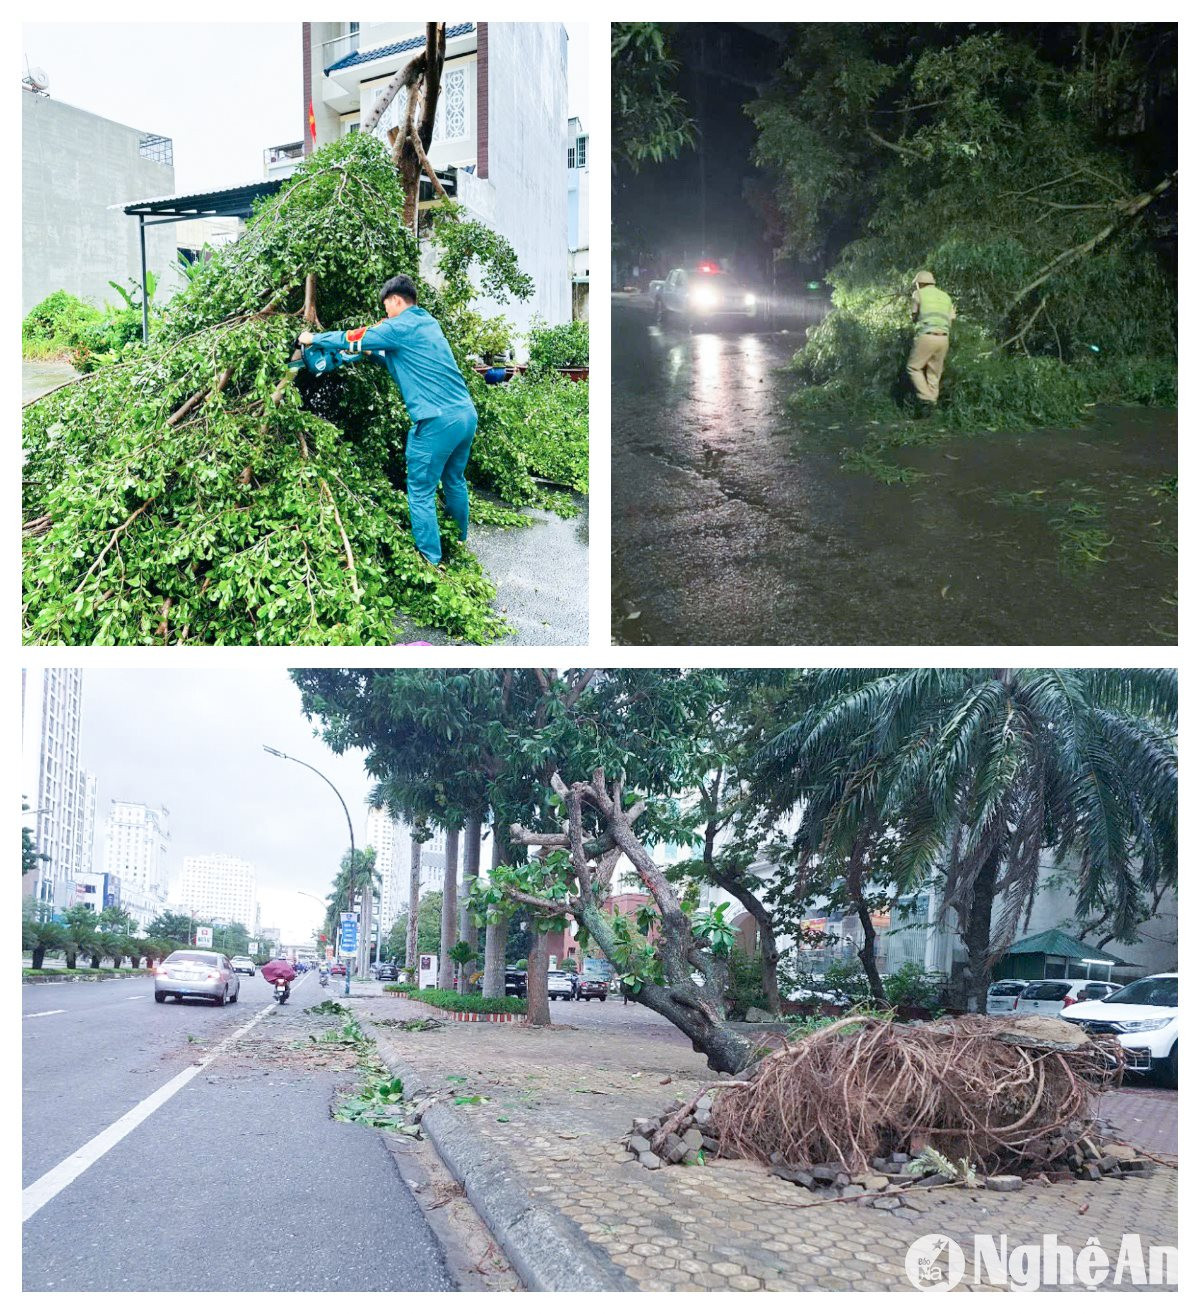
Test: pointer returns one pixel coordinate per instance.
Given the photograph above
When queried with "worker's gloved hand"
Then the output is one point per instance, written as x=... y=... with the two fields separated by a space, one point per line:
x=305 y=339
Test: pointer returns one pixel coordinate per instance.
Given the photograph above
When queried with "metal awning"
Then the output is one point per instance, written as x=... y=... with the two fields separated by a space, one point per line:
x=227 y=203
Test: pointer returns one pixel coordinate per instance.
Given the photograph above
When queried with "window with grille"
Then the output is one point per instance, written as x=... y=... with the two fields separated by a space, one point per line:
x=570 y=157
x=450 y=123
x=581 y=152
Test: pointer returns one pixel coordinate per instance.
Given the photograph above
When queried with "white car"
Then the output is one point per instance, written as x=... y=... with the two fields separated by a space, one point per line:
x=1144 y=1017
x=702 y=294
x=1052 y=995
x=1002 y=995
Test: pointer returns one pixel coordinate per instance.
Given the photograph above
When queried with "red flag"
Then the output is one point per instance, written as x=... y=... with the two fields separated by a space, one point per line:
x=312 y=121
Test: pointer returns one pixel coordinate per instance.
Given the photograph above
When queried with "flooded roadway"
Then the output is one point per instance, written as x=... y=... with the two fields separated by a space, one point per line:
x=732 y=525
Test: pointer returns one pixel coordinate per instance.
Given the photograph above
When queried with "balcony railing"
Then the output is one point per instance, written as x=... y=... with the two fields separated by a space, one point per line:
x=293 y=151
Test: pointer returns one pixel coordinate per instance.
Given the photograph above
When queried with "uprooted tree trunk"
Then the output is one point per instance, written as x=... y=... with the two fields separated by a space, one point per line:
x=694 y=980
x=537 y=984
x=977 y=934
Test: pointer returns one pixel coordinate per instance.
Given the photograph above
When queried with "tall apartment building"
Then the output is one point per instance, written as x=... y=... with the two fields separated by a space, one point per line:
x=135 y=853
x=501 y=126
x=392 y=842
x=219 y=886
x=59 y=794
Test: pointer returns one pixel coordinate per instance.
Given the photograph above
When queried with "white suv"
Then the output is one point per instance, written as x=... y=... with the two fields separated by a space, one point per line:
x=1144 y=1018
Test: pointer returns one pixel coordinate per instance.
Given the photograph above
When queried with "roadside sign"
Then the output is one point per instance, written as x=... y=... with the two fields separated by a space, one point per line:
x=348 y=943
x=427 y=971
x=329 y=951
x=203 y=937
x=252 y=947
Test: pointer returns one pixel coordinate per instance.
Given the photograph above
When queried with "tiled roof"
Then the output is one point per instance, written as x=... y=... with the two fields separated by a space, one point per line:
x=396 y=48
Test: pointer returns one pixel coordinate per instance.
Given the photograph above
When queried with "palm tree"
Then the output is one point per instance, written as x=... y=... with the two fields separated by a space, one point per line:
x=976 y=772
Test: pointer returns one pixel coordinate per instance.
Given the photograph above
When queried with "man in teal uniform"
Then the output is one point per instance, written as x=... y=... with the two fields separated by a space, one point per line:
x=418 y=357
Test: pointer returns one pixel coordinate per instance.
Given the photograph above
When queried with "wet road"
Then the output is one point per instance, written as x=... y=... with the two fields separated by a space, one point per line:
x=732 y=525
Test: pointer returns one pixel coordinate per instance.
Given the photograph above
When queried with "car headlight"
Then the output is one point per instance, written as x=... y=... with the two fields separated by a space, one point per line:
x=704 y=296
x=750 y=299
x=1147 y=1023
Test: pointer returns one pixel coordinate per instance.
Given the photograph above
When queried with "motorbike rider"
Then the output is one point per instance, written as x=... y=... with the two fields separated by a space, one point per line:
x=277 y=970
x=323 y=973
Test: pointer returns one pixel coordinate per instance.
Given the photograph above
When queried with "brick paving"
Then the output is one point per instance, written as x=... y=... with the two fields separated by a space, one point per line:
x=559 y=1101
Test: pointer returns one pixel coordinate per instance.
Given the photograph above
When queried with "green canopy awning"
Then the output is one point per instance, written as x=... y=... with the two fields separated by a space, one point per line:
x=1058 y=944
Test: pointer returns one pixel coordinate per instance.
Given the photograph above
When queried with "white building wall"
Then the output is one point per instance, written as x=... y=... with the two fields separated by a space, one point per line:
x=523 y=196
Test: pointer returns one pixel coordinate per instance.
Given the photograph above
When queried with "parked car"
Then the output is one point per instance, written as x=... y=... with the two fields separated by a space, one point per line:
x=194 y=972
x=1002 y=995
x=386 y=972
x=516 y=982
x=702 y=294
x=244 y=966
x=1144 y=1017
x=559 y=985
x=1051 y=996
x=337 y=969
x=591 y=987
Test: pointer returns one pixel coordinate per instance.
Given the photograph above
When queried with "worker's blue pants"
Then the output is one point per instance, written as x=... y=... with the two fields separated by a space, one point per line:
x=437 y=452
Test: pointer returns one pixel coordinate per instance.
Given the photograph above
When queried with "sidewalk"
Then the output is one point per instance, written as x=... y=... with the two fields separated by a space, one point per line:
x=559 y=1101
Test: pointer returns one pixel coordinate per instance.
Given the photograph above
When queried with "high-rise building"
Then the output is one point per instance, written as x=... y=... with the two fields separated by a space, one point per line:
x=135 y=852
x=219 y=886
x=56 y=790
x=392 y=842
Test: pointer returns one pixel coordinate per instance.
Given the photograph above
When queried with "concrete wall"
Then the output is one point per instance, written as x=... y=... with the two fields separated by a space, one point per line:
x=74 y=166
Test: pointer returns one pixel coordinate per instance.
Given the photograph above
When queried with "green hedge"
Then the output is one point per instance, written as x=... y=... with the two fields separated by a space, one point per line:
x=457 y=1003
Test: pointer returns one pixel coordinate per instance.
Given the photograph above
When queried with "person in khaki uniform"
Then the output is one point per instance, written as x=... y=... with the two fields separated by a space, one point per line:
x=933 y=312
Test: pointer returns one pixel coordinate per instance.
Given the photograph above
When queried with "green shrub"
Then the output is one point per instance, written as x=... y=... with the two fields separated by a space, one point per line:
x=745 y=984
x=561 y=347
x=57 y=325
x=451 y=999
x=400 y=988
x=912 y=987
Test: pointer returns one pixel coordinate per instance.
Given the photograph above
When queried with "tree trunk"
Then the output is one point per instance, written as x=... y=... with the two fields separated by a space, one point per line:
x=538 y=1012
x=71 y=959
x=449 y=913
x=414 y=900
x=697 y=1010
x=766 y=934
x=866 y=955
x=38 y=957
x=978 y=935
x=467 y=930
x=95 y=961
x=364 y=940
x=496 y=937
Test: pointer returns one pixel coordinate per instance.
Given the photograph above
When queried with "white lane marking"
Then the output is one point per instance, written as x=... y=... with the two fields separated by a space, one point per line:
x=50 y=1012
x=47 y=1186
x=137 y=996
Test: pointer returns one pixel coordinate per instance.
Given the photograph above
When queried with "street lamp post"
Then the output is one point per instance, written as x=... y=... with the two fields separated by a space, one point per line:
x=350 y=824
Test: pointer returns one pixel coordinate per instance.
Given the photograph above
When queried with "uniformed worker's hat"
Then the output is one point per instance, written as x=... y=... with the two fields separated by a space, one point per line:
x=923 y=277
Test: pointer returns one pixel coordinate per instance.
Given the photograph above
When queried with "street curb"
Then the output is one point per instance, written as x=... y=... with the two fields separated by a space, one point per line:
x=85 y=980
x=547 y=1250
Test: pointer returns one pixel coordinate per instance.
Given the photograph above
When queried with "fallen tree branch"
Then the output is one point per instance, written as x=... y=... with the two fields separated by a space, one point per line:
x=1128 y=210
x=116 y=534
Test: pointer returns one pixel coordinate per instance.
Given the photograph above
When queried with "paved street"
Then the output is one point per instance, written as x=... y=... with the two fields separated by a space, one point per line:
x=733 y=523
x=243 y=1162
x=559 y=1101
